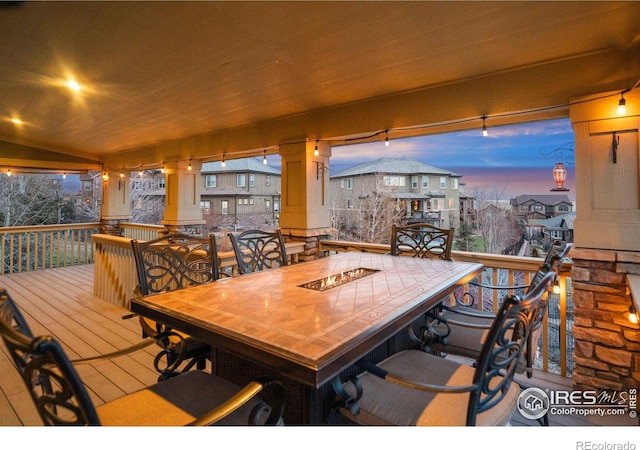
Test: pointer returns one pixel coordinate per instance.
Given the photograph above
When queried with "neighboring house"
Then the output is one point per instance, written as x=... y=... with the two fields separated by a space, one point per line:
x=426 y=193
x=559 y=227
x=468 y=207
x=243 y=194
x=528 y=207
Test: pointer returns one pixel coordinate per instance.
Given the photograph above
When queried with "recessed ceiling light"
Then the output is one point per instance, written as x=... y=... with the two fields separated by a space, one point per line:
x=73 y=85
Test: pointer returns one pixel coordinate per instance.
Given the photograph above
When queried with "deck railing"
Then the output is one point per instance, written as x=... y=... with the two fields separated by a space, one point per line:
x=556 y=347
x=115 y=272
x=28 y=248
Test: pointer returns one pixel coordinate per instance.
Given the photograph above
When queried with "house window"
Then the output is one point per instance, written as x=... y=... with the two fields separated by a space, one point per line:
x=556 y=234
x=210 y=181
x=435 y=203
x=393 y=181
x=86 y=185
x=341 y=183
x=224 y=208
x=267 y=180
x=538 y=208
x=414 y=182
x=252 y=180
x=239 y=201
x=241 y=180
x=454 y=183
x=205 y=206
x=524 y=208
x=443 y=182
x=450 y=203
x=267 y=205
x=160 y=182
x=251 y=201
x=563 y=208
x=137 y=185
x=349 y=183
x=276 y=205
x=349 y=203
x=425 y=182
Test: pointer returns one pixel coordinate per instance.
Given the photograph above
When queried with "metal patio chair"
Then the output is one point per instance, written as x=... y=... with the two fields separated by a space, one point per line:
x=413 y=387
x=421 y=240
x=170 y=262
x=192 y=398
x=258 y=250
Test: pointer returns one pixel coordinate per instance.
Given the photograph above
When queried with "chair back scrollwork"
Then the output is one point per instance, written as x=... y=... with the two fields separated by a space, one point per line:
x=257 y=250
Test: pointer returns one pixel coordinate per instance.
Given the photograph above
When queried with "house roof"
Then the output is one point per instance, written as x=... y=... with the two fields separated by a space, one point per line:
x=556 y=222
x=545 y=199
x=240 y=165
x=400 y=166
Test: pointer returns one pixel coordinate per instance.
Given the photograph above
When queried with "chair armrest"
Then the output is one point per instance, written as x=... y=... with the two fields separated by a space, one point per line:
x=250 y=391
x=125 y=351
x=469 y=312
x=503 y=287
x=133 y=348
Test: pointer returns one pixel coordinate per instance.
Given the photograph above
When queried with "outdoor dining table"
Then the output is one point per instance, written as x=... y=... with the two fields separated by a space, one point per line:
x=310 y=321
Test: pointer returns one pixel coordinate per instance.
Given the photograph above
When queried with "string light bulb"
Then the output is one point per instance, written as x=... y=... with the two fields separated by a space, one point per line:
x=163 y=170
x=9 y=172
x=386 y=138
x=223 y=164
x=316 y=152
x=189 y=167
x=264 y=157
x=622 y=105
x=485 y=133
x=121 y=173
x=105 y=175
x=64 y=175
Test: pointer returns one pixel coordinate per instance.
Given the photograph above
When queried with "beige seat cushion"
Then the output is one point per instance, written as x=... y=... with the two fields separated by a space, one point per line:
x=465 y=341
x=176 y=402
x=385 y=403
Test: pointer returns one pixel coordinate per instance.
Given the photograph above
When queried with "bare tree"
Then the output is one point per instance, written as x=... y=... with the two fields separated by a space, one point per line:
x=372 y=215
x=495 y=224
x=147 y=205
x=29 y=199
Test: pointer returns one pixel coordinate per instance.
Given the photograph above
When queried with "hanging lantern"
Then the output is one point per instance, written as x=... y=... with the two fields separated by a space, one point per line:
x=559 y=175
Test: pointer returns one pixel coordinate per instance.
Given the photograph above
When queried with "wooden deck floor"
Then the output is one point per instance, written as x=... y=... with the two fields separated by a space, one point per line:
x=61 y=302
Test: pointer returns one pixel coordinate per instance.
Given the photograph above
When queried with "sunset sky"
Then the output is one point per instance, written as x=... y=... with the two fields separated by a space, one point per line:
x=513 y=160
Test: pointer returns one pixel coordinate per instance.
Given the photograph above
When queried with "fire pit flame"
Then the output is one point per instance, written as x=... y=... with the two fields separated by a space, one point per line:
x=339 y=279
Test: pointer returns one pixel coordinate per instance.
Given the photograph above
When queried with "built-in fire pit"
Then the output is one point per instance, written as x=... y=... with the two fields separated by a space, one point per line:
x=338 y=279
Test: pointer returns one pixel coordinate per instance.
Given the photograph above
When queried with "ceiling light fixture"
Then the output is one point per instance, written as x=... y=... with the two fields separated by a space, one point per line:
x=622 y=105
x=485 y=133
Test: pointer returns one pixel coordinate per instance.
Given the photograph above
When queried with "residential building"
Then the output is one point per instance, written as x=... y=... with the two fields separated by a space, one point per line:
x=541 y=206
x=555 y=228
x=245 y=193
x=424 y=192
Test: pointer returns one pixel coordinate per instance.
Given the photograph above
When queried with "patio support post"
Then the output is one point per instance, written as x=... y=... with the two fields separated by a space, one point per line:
x=182 y=211
x=115 y=207
x=305 y=214
x=607 y=244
